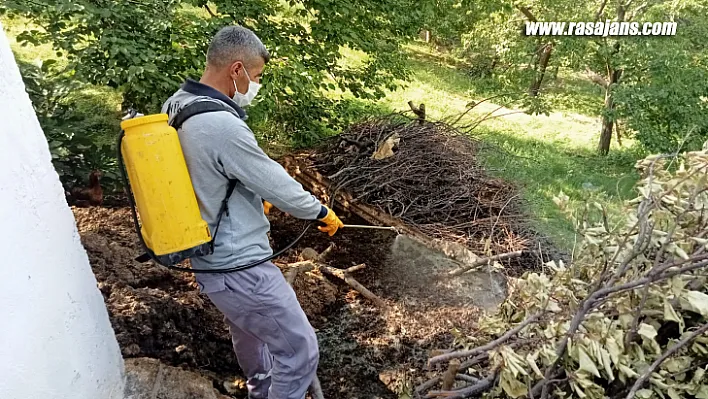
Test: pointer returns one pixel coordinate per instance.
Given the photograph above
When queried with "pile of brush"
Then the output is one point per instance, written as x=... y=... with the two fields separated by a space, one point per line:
x=425 y=174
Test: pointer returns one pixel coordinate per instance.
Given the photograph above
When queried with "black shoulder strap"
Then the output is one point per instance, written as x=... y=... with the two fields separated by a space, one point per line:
x=224 y=209
x=202 y=107
x=190 y=110
x=195 y=108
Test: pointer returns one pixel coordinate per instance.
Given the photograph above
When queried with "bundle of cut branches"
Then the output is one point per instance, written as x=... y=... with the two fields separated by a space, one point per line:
x=627 y=318
x=426 y=175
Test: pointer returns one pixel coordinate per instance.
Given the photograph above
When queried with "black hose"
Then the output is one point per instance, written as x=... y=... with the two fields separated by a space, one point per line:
x=131 y=201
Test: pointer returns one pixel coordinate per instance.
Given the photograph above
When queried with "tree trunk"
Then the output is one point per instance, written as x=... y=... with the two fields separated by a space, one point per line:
x=608 y=121
x=541 y=72
x=613 y=76
x=607 y=124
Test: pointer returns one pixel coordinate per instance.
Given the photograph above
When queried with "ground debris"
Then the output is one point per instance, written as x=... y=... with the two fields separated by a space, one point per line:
x=426 y=175
x=160 y=314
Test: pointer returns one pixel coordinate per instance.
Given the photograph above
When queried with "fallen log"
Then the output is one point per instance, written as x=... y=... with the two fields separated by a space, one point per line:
x=345 y=275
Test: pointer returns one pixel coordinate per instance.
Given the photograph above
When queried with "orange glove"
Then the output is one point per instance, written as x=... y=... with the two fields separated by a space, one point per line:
x=267 y=207
x=331 y=221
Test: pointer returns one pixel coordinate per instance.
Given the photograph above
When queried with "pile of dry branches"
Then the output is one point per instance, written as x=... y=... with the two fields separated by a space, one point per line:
x=425 y=174
x=628 y=318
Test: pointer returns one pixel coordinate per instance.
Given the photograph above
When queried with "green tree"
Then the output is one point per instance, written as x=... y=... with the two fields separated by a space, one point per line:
x=655 y=84
x=75 y=128
x=665 y=96
x=145 y=48
x=631 y=64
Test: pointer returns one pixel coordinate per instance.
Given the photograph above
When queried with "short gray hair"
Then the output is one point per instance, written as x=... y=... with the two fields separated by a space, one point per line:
x=235 y=43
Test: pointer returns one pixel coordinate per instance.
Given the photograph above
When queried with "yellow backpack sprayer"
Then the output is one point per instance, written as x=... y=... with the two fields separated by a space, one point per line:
x=159 y=188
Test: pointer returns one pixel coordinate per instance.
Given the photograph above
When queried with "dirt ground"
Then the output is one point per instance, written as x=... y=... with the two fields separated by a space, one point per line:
x=366 y=352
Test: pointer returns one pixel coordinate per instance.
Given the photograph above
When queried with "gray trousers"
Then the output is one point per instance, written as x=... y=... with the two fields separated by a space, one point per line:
x=274 y=342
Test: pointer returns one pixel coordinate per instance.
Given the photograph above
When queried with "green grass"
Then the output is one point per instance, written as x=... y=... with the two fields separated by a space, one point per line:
x=542 y=168
x=542 y=155
x=32 y=54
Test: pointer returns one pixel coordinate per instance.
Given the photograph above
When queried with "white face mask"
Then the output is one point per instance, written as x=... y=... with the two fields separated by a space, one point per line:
x=243 y=100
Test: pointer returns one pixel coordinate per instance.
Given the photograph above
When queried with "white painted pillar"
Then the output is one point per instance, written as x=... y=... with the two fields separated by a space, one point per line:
x=56 y=341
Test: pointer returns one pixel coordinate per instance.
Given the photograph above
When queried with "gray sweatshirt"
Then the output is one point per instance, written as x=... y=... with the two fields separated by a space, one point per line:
x=219 y=146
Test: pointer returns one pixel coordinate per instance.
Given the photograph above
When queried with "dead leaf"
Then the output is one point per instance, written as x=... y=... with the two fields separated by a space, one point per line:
x=385 y=150
x=647 y=331
x=511 y=385
x=695 y=301
x=586 y=363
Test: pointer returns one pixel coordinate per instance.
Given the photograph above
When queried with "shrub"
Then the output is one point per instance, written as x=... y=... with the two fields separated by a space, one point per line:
x=79 y=125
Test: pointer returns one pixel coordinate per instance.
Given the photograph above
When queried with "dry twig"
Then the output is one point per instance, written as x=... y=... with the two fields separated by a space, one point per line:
x=484 y=261
x=489 y=346
x=647 y=374
x=431 y=181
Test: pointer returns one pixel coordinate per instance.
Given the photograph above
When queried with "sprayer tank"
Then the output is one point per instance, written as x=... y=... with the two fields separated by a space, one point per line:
x=163 y=192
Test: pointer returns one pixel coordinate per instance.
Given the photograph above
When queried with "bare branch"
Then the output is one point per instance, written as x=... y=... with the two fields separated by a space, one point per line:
x=465 y=365
x=489 y=346
x=468 y=378
x=647 y=374
x=599 y=12
x=476 y=389
x=640 y=10
x=295 y=268
x=326 y=252
x=474 y=104
x=637 y=315
x=483 y=261
x=344 y=275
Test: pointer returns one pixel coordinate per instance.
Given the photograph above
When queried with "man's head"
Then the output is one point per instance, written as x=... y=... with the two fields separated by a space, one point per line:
x=236 y=57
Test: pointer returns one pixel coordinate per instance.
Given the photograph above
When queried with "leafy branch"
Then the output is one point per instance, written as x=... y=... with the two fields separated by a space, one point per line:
x=602 y=331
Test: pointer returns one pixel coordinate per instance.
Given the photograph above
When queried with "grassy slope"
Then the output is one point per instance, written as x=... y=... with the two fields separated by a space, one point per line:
x=541 y=154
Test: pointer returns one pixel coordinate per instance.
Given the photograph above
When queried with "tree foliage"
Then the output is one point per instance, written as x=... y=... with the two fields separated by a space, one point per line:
x=664 y=95
x=654 y=84
x=146 y=48
x=75 y=128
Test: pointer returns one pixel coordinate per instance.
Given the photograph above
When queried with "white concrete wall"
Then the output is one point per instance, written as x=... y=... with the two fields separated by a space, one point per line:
x=55 y=337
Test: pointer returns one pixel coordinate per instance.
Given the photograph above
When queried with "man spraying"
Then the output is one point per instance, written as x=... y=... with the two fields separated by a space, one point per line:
x=275 y=344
